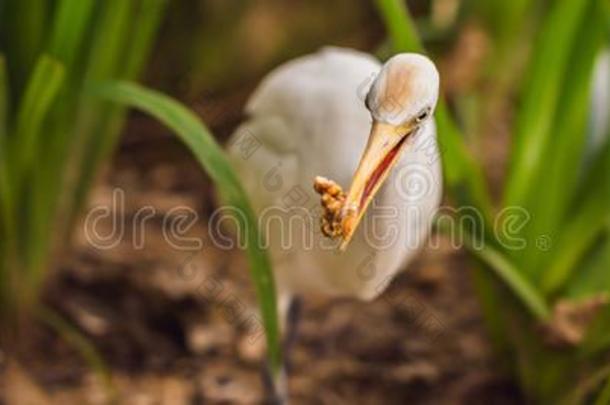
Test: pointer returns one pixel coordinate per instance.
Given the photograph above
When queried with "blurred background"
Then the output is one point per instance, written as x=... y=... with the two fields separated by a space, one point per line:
x=138 y=322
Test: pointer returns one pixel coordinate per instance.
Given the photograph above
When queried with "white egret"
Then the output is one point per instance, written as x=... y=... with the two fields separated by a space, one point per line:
x=339 y=114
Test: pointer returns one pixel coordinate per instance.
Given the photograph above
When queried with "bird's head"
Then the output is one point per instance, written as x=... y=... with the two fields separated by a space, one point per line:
x=401 y=100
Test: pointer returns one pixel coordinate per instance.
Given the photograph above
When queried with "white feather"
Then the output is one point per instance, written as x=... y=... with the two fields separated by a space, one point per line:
x=308 y=118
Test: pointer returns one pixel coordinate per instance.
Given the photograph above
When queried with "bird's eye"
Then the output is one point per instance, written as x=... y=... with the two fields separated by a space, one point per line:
x=422 y=115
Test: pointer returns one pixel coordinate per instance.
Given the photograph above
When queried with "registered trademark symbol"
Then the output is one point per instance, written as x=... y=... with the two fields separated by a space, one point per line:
x=544 y=243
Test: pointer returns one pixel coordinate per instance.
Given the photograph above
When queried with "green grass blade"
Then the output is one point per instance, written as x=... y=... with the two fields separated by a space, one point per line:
x=592 y=277
x=95 y=119
x=80 y=343
x=4 y=202
x=68 y=36
x=508 y=273
x=597 y=338
x=541 y=97
x=401 y=29
x=104 y=125
x=70 y=22
x=213 y=160
x=6 y=218
x=4 y=103
x=4 y=106
x=580 y=391
x=108 y=42
x=513 y=278
x=148 y=18
x=603 y=398
x=42 y=88
x=24 y=25
x=590 y=216
x=492 y=297
x=577 y=238
x=461 y=172
x=7 y=226
x=556 y=182
x=502 y=17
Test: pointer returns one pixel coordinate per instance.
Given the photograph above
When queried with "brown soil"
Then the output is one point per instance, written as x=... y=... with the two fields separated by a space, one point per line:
x=167 y=337
x=171 y=325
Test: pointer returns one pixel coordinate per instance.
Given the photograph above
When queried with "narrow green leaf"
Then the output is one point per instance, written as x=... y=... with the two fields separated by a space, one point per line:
x=24 y=23
x=503 y=17
x=508 y=273
x=520 y=286
x=213 y=160
x=589 y=217
x=401 y=29
x=131 y=31
x=541 y=97
x=147 y=21
x=590 y=277
x=108 y=43
x=69 y=24
x=580 y=391
x=553 y=187
x=6 y=216
x=492 y=297
x=603 y=398
x=68 y=37
x=80 y=343
x=576 y=240
x=460 y=171
x=7 y=220
x=41 y=90
x=4 y=103
x=597 y=338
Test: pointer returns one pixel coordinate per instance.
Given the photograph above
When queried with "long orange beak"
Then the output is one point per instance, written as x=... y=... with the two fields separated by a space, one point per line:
x=384 y=147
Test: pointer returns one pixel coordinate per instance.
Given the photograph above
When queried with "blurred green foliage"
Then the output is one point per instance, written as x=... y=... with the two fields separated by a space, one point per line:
x=229 y=44
x=53 y=135
x=57 y=63
x=563 y=190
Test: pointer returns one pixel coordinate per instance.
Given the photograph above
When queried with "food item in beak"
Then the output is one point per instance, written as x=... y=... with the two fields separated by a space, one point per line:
x=343 y=211
x=333 y=200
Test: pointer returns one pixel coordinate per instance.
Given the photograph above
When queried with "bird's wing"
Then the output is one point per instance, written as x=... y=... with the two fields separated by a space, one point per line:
x=302 y=111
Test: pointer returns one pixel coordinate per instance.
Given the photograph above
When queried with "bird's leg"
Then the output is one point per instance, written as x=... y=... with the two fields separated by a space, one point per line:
x=333 y=200
x=277 y=387
x=292 y=322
